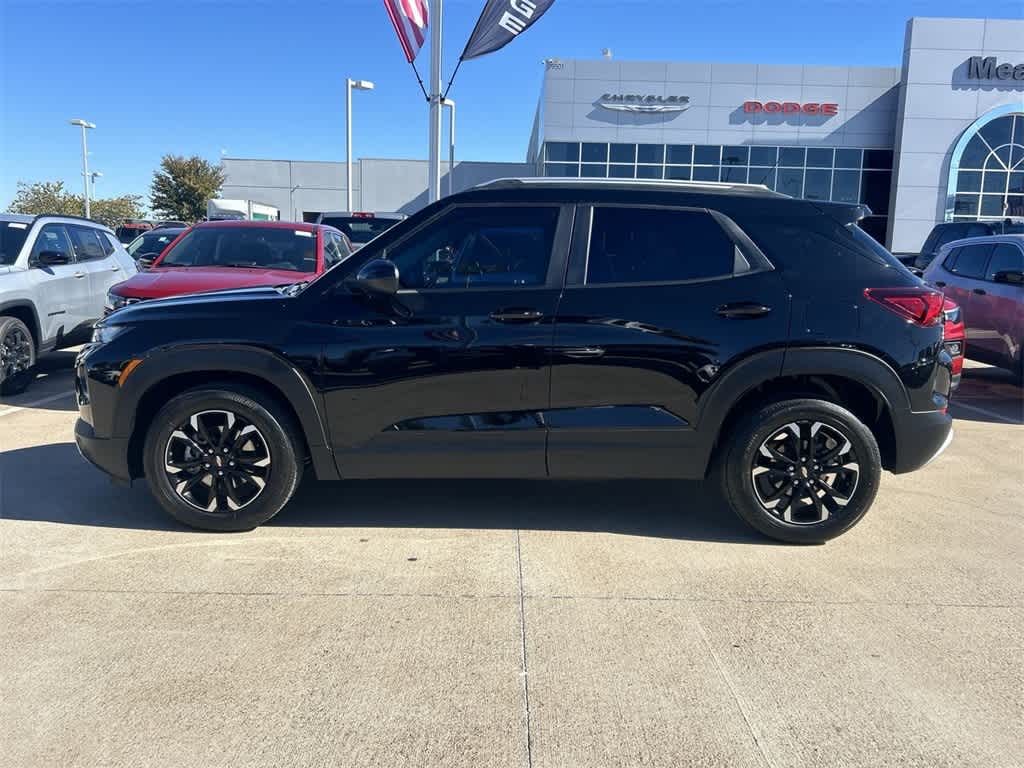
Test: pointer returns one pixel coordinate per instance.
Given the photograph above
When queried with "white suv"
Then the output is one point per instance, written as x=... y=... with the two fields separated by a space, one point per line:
x=54 y=275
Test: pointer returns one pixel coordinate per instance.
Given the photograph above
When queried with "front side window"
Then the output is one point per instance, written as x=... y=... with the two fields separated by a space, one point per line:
x=479 y=248
x=52 y=238
x=637 y=245
x=256 y=247
x=971 y=261
x=1005 y=258
x=86 y=242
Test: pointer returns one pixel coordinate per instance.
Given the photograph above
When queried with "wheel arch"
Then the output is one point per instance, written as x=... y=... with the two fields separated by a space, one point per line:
x=161 y=376
x=25 y=310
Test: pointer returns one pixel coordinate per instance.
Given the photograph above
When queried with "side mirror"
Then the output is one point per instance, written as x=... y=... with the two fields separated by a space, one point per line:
x=1011 y=276
x=53 y=258
x=147 y=259
x=376 y=278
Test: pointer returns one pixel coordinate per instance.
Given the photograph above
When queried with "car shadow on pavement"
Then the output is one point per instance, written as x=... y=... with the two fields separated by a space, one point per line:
x=52 y=385
x=52 y=483
x=988 y=394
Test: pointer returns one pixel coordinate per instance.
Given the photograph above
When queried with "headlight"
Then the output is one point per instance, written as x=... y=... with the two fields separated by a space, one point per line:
x=104 y=334
x=114 y=301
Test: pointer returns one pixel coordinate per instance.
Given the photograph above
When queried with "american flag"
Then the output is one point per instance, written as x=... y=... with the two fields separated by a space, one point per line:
x=410 y=20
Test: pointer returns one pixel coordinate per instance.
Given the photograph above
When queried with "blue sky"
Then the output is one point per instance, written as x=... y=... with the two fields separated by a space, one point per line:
x=265 y=79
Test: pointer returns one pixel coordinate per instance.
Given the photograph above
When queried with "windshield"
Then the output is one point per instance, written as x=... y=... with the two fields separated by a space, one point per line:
x=256 y=247
x=151 y=243
x=12 y=237
x=359 y=230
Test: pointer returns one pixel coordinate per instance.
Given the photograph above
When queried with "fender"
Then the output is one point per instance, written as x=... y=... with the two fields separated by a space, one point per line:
x=863 y=367
x=740 y=378
x=232 y=358
x=19 y=303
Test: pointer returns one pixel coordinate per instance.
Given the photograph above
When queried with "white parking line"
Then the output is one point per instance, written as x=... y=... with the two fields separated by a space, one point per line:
x=35 y=403
x=961 y=404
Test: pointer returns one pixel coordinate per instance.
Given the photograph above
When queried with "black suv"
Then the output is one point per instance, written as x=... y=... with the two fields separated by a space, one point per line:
x=543 y=328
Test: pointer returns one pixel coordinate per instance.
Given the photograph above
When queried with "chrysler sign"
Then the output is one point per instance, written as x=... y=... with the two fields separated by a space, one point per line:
x=639 y=102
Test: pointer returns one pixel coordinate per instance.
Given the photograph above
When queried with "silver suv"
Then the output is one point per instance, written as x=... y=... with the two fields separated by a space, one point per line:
x=55 y=272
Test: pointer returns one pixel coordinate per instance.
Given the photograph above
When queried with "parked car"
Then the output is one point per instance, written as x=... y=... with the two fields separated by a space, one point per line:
x=947 y=232
x=544 y=328
x=148 y=246
x=360 y=227
x=985 y=276
x=954 y=337
x=54 y=274
x=214 y=255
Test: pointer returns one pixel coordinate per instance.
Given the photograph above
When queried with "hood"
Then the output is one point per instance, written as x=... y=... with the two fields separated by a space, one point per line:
x=162 y=282
x=238 y=304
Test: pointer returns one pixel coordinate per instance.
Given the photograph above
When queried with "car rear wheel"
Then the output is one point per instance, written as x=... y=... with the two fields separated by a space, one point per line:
x=223 y=460
x=17 y=356
x=801 y=471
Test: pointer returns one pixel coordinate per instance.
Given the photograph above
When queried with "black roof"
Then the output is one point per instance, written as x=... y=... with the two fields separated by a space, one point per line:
x=650 y=185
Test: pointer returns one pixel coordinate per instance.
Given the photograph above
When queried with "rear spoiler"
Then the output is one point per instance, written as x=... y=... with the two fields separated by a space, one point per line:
x=845 y=213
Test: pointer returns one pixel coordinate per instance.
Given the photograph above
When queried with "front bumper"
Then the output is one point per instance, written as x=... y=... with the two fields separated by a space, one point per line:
x=920 y=438
x=108 y=453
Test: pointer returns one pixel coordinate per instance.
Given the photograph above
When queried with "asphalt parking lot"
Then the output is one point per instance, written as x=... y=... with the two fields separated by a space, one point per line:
x=512 y=624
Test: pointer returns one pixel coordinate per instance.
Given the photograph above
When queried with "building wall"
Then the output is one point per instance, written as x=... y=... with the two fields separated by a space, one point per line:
x=304 y=187
x=867 y=99
x=938 y=103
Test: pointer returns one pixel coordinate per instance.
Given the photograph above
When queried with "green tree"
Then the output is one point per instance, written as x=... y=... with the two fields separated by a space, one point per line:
x=183 y=186
x=46 y=197
x=112 y=211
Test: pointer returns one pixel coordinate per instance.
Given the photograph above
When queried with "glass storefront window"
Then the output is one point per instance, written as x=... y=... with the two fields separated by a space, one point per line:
x=819 y=157
x=992 y=205
x=705 y=173
x=734 y=174
x=680 y=154
x=848 y=158
x=966 y=205
x=994 y=182
x=593 y=171
x=620 y=171
x=846 y=186
x=998 y=148
x=650 y=153
x=764 y=176
x=561 y=151
x=790 y=181
x=560 y=169
x=969 y=181
x=874 y=190
x=679 y=173
x=764 y=155
x=704 y=154
x=735 y=155
x=817 y=184
x=595 y=153
x=791 y=156
x=648 y=171
x=878 y=158
x=623 y=153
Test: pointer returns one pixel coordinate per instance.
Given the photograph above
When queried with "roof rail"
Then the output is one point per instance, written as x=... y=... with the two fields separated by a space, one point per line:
x=724 y=186
x=69 y=216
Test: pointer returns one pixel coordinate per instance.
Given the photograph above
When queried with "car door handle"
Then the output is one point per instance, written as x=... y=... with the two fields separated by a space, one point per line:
x=743 y=309
x=940 y=283
x=580 y=353
x=516 y=315
x=979 y=291
x=78 y=275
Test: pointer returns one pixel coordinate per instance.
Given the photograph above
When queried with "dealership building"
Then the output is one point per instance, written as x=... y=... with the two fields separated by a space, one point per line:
x=938 y=138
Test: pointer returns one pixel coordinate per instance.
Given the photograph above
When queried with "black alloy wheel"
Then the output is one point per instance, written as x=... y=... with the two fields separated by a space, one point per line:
x=17 y=356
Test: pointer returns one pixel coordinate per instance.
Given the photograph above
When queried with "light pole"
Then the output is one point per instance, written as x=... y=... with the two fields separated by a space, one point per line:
x=451 y=142
x=85 y=159
x=92 y=180
x=359 y=85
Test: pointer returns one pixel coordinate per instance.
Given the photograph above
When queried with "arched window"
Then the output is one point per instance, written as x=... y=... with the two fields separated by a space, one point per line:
x=987 y=170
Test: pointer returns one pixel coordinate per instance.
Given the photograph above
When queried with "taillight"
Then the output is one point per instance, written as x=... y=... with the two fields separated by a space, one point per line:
x=920 y=306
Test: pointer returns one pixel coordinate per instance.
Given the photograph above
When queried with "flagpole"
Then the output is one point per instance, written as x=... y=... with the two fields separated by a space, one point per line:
x=434 y=153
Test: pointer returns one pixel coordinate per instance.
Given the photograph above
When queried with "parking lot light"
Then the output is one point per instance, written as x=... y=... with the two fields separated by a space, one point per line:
x=359 y=85
x=84 y=125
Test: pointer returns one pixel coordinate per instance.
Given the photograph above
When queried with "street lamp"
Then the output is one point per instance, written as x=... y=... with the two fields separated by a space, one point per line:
x=359 y=85
x=451 y=141
x=85 y=159
x=92 y=179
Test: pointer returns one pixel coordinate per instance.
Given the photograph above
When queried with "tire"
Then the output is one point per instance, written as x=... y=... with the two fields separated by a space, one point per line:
x=17 y=356
x=257 y=451
x=759 y=485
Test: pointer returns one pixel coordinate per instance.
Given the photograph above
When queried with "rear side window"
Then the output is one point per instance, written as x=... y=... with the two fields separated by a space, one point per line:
x=1005 y=258
x=86 y=242
x=948 y=235
x=648 y=245
x=971 y=261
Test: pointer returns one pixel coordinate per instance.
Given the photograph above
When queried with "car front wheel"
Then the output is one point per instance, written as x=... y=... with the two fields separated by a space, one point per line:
x=17 y=356
x=223 y=459
x=801 y=471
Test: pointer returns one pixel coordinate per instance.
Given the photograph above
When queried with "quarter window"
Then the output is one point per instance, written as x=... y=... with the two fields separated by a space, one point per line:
x=1005 y=258
x=637 y=245
x=971 y=261
x=479 y=248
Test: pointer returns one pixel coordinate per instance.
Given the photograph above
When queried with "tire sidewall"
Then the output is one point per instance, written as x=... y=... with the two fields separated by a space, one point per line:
x=285 y=467
x=759 y=427
x=19 y=382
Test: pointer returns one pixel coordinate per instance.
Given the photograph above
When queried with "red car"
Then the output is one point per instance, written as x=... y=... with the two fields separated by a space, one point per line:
x=954 y=336
x=216 y=255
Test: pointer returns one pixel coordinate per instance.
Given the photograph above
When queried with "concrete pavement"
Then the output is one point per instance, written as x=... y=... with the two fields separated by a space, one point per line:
x=520 y=624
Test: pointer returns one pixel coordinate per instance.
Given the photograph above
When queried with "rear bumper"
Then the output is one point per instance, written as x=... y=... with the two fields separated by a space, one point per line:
x=108 y=453
x=920 y=438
